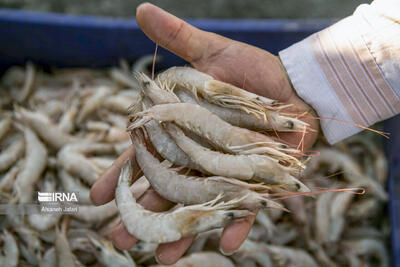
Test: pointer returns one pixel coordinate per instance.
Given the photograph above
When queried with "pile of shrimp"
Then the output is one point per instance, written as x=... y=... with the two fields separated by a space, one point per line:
x=201 y=144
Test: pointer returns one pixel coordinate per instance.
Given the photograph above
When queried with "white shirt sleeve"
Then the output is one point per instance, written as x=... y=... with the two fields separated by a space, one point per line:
x=350 y=72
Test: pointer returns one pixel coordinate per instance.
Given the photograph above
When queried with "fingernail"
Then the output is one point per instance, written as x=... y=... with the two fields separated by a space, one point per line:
x=226 y=253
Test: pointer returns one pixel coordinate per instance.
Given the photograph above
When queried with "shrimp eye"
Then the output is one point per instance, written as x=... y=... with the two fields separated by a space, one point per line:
x=264 y=203
x=146 y=83
x=284 y=146
x=298 y=186
x=230 y=215
x=289 y=124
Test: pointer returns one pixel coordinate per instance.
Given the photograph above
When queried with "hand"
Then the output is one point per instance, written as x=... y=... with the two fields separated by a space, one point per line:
x=226 y=60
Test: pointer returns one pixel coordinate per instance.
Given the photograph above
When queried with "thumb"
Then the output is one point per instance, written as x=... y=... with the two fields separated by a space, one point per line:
x=176 y=35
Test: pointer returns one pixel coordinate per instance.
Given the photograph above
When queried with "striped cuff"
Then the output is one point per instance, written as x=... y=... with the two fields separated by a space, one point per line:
x=335 y=72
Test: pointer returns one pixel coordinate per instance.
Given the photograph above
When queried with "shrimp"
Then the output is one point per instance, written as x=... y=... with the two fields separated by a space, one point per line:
x=121 y=101
x=196 y=190
x=214 y=91
x=42 y=222
x=322 y=218
x=67 y=121
x=49 y=258
x=35 y=164
x=93 y=103
x=340 y=203
x=256 y=251
x=165 y=145
x=5 y=126
x=285 y=256
x=240 y=118
x=170 y=226
x=7 y=180
x=10 y=254
x=64 y=255
x=33 y=249
x=91 y=213
x=108 y=256
x=123 y=78
x=229 y=138
x=29 y=81
x=47 y=130
x=72 y=184
x=263 y=219
x=11 y=154
x=201 y=259
x=368 y=247
x=72 y=158
x=260 y=168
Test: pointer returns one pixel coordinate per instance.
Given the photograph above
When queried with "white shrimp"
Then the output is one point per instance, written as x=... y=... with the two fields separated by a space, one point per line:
x=196 y=190
x=368 y=247
x=5 y=126
x=92 y=214
x=260 y=168
x=229 y=138
x=72 y=158
x=201 y=259
x=67 y=121
x=11 y=154
x=7 y=180
x=10 y=252
x=322 y=219
x=28 y=84
x=64 y=255
x=121 y=101
x=214 y=91
x=243 y=119
x=108 y=256
x=35 y=163
x=170 y=226
x=39 y=221
x=47 y=130
x=33 y=248
x=93 y=102
x=285 y=256
x=340 y=203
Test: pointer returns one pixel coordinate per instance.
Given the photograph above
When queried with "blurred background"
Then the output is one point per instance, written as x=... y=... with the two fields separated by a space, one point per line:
x=197 y=9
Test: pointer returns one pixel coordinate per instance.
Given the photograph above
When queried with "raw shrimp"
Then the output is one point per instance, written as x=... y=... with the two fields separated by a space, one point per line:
x=368 y=247
x=196 y=190
x=229 y=138
x=108 y=256
x=93 y=102
x=10 y=253
x=201 y=259
x=39 y=221
x=340 y=203
x=5 y=126
x=322 y=219
x=170 y=226
x=28 y=85
x=32 y=247
x=96 y=214
x=64 y=255
x=41 y=124
x=285 y=256
x=165 y=145
x=260 y=168
x=240 y=118
x=337 y=160
x=7 y=180
x=67 y=121
x=121 y=102
x=255 y=251
x=11 y=154
x=214 y=91
x=35 y=163
x=263 y=219
x=72 y=158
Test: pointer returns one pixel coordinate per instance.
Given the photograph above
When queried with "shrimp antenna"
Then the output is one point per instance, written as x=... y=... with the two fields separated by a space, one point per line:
x=154 y=62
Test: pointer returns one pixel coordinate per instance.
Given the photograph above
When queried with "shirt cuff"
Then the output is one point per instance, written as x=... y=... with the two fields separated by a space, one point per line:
x=334 y=72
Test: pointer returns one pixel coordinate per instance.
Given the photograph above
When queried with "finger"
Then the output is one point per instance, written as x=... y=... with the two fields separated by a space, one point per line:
x=176 y=35
x=234 y=234
x=170 y=253
x=151 y=200
x=103 y=189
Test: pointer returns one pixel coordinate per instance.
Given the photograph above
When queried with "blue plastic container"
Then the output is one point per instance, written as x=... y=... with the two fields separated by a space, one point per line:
x=82 y=41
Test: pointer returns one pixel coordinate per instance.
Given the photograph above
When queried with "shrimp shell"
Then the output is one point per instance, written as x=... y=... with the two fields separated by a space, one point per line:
x=260 y=168
x=170 y=226
x=195 y=190
x=35 y=164
x=11 y=154
x=240 y=118
x=229 y=138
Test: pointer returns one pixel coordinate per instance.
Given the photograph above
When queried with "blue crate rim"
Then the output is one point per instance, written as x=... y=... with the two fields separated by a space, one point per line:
x=237 y=25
